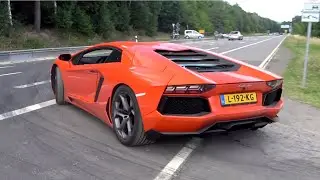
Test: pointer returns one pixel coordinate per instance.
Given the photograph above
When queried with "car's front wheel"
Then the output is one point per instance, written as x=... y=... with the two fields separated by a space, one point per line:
x=58 y=87
x=126 y=118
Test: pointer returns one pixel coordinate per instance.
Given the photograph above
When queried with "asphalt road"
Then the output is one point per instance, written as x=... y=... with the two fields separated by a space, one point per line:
x=57 y=142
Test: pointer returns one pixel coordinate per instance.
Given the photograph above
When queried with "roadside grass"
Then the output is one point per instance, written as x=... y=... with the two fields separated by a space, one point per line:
x=26 y=38
x=294 y=72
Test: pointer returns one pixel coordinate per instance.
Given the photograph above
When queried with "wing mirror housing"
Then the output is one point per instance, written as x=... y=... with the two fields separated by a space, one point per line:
x=65 y=57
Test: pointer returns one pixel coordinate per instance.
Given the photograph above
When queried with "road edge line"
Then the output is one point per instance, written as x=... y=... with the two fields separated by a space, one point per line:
x=248 y=45
x=268 y=59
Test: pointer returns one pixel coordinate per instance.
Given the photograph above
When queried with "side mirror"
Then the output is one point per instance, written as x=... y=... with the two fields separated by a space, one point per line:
x=65 y=57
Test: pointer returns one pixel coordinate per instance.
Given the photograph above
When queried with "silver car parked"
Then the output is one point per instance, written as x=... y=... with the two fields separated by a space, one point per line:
x=235 y=35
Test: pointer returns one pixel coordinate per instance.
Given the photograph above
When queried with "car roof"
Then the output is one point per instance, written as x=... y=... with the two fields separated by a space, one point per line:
x=133 y=46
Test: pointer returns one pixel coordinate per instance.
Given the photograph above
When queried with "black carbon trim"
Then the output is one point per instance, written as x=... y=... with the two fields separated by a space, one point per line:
x=224 y=126
x=101 y=79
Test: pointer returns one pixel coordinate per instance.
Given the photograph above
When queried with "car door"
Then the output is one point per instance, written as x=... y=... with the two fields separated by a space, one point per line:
x=82 y=76
x=194 y=34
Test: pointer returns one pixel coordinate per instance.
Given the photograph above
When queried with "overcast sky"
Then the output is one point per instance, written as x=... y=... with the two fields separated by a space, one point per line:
x=278 y=10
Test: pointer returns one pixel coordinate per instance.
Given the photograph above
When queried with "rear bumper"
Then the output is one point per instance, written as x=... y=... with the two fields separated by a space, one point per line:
x=243 y=118
x=224 y=126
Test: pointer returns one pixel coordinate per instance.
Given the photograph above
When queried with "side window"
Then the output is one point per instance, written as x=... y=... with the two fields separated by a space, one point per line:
x=100 y=56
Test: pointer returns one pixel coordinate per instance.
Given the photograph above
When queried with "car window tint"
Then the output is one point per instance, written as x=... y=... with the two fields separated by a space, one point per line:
x=101 y=52
x=95 y=57
x=100 y=56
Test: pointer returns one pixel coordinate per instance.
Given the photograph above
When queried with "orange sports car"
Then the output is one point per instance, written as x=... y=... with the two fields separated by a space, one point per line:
x=146 y=89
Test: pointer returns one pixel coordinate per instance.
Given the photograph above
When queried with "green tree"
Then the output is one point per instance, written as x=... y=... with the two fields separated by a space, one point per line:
x=170 y=13
x=81 y=21
x=64 y=17
x=4 y=23
x=139 y=15
x=105 y=25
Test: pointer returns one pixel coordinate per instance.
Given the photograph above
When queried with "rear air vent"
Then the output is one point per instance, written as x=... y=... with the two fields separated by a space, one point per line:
x=182 y=106
x=272 y=97
x=199 y=61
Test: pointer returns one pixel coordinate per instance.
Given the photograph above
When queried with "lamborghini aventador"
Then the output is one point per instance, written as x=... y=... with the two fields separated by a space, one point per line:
x=146 y=89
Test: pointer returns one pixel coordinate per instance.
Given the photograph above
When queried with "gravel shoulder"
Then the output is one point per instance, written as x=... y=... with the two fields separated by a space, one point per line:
x=294 y=113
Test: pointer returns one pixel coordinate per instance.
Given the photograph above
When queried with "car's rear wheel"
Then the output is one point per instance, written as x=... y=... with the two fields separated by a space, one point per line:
x=126 y=118
x=59 y=87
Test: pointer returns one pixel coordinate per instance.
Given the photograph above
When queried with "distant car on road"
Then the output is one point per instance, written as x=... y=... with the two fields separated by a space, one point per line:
x=192 y=34
x=235 y=35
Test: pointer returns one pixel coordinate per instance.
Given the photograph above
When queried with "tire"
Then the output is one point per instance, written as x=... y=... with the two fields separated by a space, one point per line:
x=59 y=87
x=137 y=136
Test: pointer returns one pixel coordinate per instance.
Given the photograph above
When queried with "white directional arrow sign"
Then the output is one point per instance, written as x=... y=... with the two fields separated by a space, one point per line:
x=310 y=14
x=310 y=17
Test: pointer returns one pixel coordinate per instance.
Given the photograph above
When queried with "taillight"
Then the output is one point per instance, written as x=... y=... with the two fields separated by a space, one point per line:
x=275 y=83
x=189 y=89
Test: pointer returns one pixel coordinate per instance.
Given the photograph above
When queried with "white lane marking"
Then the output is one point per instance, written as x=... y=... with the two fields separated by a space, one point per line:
x=26 y=109
x=199 y=41
x=32 y=84
x=212 y=48
x=10 y=74
x=248 y=45
x=265 y=62
x=27 y=61
x=140 y=94
x=3 y=67
x=175 y=164
x=242 y=42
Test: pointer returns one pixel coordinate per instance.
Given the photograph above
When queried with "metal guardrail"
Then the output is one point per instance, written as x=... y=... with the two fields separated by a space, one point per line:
x=41 y=50
x=31 y=54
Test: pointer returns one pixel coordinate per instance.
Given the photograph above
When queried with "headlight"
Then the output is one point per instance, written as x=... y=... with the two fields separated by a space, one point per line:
x=275 y=83
x=189 y=89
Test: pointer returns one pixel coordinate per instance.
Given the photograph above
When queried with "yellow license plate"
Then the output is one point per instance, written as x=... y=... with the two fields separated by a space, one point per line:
x=239 y=98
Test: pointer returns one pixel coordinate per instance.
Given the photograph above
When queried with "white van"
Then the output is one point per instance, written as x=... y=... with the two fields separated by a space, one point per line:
x=192 y=34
